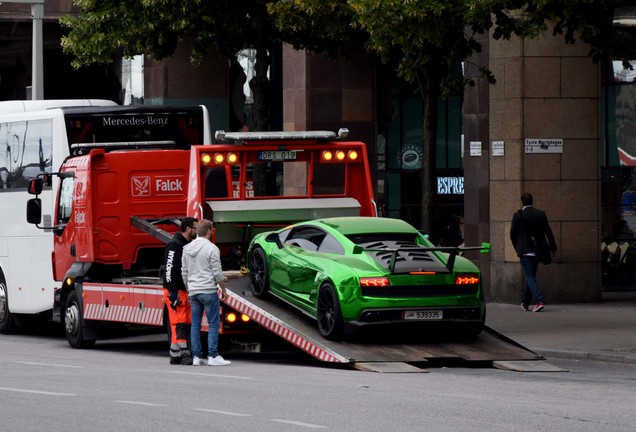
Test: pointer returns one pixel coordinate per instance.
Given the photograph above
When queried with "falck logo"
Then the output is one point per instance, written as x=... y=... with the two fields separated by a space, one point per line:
x=140 y=186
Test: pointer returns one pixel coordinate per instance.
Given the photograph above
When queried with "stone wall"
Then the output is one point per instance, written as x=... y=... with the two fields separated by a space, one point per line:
x=546 y=90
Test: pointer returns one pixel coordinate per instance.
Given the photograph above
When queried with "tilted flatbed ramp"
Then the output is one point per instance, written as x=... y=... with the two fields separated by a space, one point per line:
x=301 y=331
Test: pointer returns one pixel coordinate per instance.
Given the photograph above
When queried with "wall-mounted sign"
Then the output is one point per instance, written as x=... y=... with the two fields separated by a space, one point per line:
x=450 y=185
x=475 y=148
x=544 y=146
x=410 y=157
x=497 y=148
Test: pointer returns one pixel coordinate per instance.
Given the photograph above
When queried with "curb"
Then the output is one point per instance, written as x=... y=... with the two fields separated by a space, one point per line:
x=587 y=356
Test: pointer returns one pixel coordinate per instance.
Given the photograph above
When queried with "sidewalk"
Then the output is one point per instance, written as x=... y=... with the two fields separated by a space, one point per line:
x=603 y=331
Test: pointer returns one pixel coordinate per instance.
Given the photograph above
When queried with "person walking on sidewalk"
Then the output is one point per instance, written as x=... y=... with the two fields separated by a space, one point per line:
x=530 y=233
x=175 y=294
x=203 y=277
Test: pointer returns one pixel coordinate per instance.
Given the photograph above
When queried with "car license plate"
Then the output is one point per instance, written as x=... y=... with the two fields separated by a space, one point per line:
x=277 y=155
x=423 y=315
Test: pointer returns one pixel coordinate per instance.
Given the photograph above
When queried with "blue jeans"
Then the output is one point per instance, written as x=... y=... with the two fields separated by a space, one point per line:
x=210 y=304
x=530 y=265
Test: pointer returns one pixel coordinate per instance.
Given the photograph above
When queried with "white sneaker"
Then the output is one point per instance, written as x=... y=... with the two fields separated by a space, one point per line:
x=218 y=361
x=196 y=361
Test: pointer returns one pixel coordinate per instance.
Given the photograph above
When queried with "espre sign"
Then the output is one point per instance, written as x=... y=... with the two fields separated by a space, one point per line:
x=450 y=185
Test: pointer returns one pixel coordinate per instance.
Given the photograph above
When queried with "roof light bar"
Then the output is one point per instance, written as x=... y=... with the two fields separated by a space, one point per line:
x=221 y=135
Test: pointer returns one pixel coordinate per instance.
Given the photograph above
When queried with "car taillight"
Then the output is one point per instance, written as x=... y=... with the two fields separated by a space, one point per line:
x=374 y=282
x=466 y=279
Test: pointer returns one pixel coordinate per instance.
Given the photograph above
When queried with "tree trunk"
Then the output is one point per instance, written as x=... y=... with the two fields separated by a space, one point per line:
x=260 y=112
x=429 y=87
x=260 y=89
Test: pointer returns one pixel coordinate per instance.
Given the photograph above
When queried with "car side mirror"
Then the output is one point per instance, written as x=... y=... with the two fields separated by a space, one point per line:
x=274 y=238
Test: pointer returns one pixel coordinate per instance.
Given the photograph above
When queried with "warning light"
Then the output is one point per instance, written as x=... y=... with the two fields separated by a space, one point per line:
x=353 y=155
x=245 y=318
x=340 y=155
x=232 y=158
x=68 y=281
x=219 y=158
x=327 y=155
x=206 y=159
x=230 y=317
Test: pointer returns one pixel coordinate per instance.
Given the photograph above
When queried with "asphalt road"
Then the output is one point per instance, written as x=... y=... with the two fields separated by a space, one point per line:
x=128 y=385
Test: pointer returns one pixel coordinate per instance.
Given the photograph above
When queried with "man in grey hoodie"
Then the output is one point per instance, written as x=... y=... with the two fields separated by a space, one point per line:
x=203 y=277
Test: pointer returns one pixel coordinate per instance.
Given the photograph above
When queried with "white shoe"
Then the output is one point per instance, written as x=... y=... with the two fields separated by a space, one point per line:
x=218 y=361
x=196 y=361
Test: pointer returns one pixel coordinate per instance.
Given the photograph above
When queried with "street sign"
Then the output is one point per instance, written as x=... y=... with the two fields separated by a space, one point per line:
x=544 y=146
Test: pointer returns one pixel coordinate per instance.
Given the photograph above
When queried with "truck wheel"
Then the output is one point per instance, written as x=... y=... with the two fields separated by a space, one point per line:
x=329 y=315
x=7 y=324
x=74 y=323
x=259 y=275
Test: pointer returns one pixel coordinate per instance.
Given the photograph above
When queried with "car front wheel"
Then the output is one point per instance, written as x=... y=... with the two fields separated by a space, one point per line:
x=329 y=315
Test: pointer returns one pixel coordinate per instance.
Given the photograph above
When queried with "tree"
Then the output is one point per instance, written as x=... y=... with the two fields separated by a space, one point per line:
x=425 y=37
x=428 y=37
x=156 y=27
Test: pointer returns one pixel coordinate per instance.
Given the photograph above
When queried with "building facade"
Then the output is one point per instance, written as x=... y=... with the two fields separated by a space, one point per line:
x=555 y=124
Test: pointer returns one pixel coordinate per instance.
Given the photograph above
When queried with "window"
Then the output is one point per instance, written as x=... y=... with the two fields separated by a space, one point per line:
x=66 y=200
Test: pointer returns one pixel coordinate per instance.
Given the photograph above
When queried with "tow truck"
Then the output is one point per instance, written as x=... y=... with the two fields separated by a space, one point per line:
x=119 y=204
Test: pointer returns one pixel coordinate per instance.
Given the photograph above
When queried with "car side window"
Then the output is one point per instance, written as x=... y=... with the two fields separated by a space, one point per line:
x=308 y=238
x=331 y=245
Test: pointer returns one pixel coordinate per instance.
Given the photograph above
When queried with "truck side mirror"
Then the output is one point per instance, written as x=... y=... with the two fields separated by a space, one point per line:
x=35 y=186
x=34 y=209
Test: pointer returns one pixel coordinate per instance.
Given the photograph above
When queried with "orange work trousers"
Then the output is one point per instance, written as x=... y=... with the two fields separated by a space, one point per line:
x=180 y=319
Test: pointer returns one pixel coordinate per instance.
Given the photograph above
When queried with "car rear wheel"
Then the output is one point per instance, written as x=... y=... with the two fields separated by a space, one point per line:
x=259 y=276
x=329 y=315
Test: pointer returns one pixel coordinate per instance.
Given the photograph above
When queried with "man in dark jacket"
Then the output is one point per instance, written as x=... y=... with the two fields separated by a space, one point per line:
x=531 y=234
x=175 y=294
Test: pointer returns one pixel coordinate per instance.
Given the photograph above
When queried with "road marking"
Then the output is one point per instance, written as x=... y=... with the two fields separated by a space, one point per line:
x=36 y=392
x=235 y=414
x=307 y=425
x=141 y=403
x=50 y=364
x=210 y=375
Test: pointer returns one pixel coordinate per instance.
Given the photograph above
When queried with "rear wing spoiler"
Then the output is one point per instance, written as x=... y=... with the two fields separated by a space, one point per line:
x=453 y=251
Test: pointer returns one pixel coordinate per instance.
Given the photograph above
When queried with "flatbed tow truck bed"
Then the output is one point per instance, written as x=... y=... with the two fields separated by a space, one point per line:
x=386 y=355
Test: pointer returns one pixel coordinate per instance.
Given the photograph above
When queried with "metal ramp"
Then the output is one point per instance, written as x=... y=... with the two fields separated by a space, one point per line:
x=384 y=356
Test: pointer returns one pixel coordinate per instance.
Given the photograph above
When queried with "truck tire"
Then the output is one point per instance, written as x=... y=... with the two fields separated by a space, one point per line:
x=259 y=275
x=7 y=323
x=74 y=323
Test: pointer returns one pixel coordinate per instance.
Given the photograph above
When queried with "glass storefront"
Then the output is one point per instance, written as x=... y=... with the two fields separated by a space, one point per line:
x=400 y=162
x=618 y=165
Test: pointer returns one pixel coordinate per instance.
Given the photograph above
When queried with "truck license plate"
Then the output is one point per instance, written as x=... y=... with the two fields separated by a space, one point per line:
x=423 y=315
x=277 y=155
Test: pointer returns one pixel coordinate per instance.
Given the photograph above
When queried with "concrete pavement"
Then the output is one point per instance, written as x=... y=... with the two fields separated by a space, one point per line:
x=603 y=331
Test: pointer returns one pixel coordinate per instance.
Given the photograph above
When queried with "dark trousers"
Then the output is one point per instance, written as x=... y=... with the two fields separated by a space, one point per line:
x=530 y=265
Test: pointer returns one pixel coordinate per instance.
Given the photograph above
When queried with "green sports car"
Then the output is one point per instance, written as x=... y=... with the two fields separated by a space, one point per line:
x=358 y=271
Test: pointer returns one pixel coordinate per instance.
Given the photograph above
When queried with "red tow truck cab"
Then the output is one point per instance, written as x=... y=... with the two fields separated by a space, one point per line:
x=94 y=208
